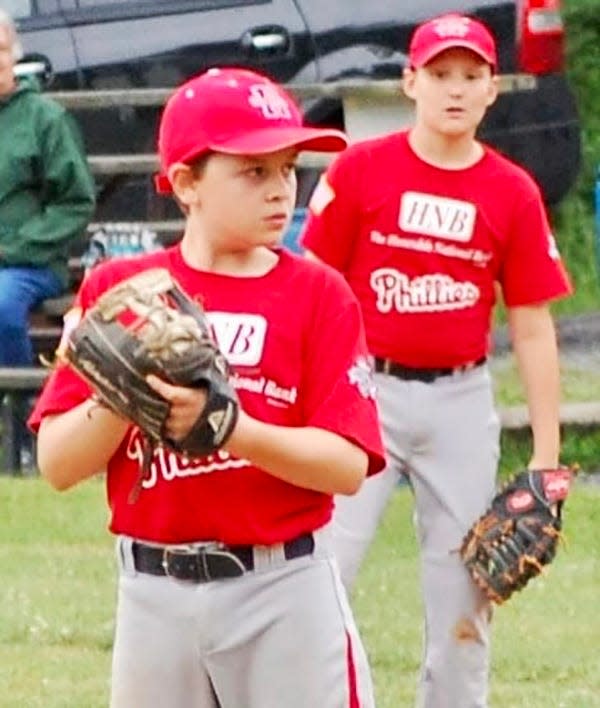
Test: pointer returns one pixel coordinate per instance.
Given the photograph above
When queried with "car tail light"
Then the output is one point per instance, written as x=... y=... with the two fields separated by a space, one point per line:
x=541 y=37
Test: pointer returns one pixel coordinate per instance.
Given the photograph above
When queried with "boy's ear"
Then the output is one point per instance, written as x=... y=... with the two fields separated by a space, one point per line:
x=408 y=82
x=493 y=90
x=183 y=181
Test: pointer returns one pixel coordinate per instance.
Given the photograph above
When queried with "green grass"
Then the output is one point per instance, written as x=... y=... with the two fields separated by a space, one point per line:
x=56 y=617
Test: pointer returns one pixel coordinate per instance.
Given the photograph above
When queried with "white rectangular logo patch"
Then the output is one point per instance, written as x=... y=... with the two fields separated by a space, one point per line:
x=431 y=215
x=240 y=337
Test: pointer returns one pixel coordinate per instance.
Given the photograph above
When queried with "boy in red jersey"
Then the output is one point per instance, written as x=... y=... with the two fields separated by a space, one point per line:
x=269 y=625
x=423 y=224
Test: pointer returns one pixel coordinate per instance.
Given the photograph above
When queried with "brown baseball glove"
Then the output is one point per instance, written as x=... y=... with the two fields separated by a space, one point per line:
x=519 y=534
x=148 y=325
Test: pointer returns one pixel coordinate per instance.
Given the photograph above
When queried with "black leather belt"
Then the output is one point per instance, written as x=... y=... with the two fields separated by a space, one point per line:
x=205 y=562
x=409 y=373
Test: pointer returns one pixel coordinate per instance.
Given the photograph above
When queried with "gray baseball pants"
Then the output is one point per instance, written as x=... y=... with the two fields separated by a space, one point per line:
x=444 y=436
x=280 y=635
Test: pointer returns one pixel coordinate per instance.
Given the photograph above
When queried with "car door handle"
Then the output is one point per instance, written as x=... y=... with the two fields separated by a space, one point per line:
x=266 y=40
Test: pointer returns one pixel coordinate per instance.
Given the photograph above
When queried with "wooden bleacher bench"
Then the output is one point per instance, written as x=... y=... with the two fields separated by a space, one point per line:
x=45 y=327
x=56 y=307
x=20 y=385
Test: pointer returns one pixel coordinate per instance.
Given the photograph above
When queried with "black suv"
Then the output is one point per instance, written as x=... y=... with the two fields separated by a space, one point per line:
x=125 y=44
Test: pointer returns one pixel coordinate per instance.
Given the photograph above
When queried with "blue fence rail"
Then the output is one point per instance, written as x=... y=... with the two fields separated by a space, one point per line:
x=292 y=235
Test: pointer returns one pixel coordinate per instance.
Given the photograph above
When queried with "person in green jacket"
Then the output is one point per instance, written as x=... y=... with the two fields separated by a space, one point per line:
x=47 y=198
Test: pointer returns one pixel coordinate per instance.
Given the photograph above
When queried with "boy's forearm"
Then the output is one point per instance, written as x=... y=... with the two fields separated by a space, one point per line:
x=308 y=457
x=543 y=403
x=78 y=444
x=536 y=351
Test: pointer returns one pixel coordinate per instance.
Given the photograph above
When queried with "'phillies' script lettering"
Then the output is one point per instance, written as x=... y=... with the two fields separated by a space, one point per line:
x=169 y=466
x=428 y=293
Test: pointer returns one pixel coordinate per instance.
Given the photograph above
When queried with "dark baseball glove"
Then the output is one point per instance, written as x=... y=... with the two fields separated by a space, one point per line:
x=519 y=534
x=148 y=325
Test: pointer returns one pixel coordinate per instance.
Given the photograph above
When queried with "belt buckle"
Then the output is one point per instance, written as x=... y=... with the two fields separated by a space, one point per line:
x=387 y=366
x=200 y=553
x=221 y=551
x=182 y=551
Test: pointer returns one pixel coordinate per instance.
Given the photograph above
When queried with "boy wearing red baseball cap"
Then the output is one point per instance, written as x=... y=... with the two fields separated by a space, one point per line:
x=423 y=224
x=229 y=595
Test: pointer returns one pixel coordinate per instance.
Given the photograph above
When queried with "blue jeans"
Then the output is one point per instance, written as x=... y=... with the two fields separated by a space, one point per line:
x=21 y=290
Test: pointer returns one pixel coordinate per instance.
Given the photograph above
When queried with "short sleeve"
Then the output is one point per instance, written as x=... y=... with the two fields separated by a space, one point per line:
x=533 y=271
x=333 y=213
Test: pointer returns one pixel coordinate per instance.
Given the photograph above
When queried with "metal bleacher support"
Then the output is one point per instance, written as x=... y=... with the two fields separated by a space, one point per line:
x=18 y=385
x=371 y=107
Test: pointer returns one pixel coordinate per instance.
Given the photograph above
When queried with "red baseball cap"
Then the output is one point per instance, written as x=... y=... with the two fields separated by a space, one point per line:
x=234 y=111
x=448 y=31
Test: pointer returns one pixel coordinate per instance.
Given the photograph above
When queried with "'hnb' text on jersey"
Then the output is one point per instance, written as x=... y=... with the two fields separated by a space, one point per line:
x=240 y=336
x=430 y=215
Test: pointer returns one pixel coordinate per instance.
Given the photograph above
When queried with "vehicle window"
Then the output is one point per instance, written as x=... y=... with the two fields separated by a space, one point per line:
x=96 y=11
x=17 y=8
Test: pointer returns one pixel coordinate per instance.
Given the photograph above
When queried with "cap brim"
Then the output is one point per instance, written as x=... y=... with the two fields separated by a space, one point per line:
x=262 y=142
x=426 y=56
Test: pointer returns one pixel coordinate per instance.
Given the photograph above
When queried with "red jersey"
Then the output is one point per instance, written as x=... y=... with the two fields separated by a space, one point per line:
x=295 y=341
x=423 y=246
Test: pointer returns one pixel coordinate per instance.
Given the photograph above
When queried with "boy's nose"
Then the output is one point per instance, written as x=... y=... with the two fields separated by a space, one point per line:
x=280 y=188
x=456 y=91
x=457 y=85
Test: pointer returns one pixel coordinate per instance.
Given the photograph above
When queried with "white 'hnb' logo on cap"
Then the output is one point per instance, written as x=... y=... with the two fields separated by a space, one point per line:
x=452 y=27
x=272 y=104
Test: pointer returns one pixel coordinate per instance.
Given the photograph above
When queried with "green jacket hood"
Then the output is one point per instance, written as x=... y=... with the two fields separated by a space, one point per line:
x=27 y=83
